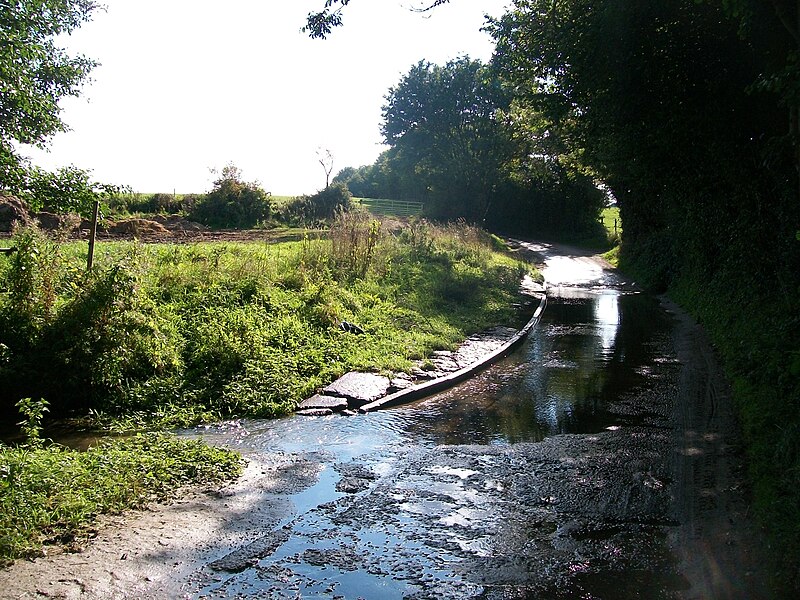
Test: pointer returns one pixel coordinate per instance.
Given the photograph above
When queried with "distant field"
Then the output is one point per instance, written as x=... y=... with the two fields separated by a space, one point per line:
x=610 y=215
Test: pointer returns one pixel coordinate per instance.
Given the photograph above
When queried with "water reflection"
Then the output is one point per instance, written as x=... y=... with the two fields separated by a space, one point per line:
x=589 y=349
x=606 y=314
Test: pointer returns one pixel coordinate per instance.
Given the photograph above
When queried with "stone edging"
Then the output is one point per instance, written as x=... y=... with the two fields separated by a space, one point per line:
x=420 y=390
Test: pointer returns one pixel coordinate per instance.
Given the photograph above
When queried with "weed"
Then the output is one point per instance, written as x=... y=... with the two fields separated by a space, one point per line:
x=31 y=425
x=51 y=495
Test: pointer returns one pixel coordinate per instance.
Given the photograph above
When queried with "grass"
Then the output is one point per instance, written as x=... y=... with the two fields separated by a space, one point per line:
x=611 y=220
x=171 y=335
x=52 y=495
x=612 y=223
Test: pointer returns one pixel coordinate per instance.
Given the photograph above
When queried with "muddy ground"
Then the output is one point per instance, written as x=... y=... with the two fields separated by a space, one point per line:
x=653 y=509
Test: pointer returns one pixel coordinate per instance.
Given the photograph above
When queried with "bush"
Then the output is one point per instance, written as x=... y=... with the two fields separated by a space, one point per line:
x=74 y=335
x=322 y=206
x=233 y=202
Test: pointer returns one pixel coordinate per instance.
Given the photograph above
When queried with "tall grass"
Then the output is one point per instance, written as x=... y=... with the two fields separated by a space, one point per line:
x=181 y=334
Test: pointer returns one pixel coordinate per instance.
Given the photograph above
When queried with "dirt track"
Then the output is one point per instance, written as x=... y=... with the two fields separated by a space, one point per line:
x=653 y=509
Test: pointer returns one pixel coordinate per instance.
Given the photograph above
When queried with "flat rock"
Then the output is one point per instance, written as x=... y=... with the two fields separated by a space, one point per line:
x=400 y=381
x=320 y=401
x=358 y=388
x=314 y=412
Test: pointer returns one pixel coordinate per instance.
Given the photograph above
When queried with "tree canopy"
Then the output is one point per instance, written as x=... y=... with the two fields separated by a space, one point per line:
x=320 y=24
x=459 y=143
x=35 y=74
x=442 y=121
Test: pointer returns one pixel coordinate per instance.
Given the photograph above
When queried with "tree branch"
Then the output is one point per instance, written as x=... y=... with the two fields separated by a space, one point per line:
x=428 y=7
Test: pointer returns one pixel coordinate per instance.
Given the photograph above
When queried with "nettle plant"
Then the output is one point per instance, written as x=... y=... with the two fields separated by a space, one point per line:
x=33 y=413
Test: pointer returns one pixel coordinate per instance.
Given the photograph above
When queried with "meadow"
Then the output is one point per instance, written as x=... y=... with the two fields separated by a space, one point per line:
x=176 y=334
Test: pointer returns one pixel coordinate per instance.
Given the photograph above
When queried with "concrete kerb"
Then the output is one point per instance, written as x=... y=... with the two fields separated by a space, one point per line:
x=428 y=388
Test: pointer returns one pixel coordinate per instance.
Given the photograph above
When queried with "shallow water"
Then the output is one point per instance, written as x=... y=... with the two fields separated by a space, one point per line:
x=440 y=470
x=590 y=347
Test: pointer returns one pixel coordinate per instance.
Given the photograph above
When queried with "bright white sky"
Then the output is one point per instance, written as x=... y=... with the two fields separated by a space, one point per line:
x=186 y=85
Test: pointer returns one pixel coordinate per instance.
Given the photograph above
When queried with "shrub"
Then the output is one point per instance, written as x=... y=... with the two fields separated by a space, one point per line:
x=77 y=336
x=322 y=206
x=233 y=202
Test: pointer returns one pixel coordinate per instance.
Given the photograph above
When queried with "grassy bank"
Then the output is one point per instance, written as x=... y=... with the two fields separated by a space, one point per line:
x=177 y=334
x=755 y=332
x=160 y=335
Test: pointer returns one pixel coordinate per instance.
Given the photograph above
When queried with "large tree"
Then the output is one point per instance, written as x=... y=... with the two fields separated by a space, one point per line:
x=443 y=122
x=35 y=74
x=653 y=98
x=460 y=145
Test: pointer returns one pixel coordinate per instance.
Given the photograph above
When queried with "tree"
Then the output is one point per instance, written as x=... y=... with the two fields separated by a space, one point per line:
x=325 y=159
x=320 y=24
x=442 y=122
x=35 y=74
x=680 y=107
x=459 y=144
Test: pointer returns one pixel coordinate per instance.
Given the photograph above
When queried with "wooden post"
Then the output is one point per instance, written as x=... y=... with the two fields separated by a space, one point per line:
x=92 y=235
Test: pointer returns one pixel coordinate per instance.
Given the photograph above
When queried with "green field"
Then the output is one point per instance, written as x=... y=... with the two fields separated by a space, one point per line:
x=611 y=220
x=176 y=334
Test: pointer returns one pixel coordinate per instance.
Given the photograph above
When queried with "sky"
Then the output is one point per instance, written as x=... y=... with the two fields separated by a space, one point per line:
x=186 y=86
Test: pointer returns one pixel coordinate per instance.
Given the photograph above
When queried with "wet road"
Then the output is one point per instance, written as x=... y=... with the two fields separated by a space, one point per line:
x=595 y=462
x=553 y=474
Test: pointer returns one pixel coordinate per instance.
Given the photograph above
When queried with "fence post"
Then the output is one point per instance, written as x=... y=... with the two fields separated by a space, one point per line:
x=92 y=235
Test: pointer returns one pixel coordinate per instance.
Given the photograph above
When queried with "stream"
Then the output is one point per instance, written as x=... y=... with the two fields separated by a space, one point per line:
x=593 y=462
x=545 y=475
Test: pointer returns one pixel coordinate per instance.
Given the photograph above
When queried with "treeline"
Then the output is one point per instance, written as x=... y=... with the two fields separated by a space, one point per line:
x=457 y=143
x=688 y=112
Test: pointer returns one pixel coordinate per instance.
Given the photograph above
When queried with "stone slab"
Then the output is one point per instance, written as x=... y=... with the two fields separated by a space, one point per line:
x=358 y=388
x=314 y=412
x=320 y=401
